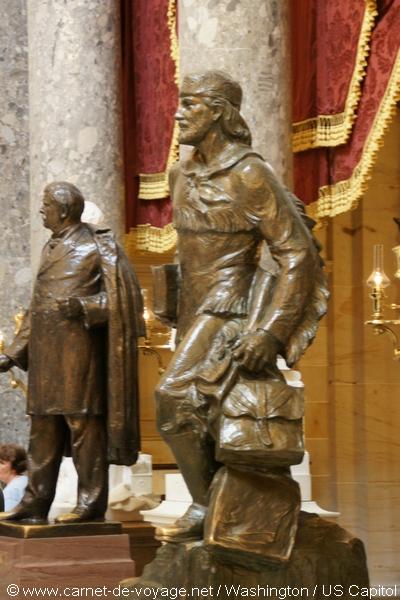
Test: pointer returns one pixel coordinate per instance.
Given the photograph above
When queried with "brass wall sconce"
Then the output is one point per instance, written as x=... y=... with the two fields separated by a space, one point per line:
x=15 y=382
x=155 y=339
x=378 y=281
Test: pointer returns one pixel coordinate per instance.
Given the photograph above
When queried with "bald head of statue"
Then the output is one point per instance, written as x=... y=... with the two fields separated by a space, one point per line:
x=62 y=205
x=68 y=196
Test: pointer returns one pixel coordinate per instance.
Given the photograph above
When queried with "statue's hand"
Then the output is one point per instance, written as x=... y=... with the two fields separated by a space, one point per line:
x=70 y=308
x=5 y=363
x=256 y=350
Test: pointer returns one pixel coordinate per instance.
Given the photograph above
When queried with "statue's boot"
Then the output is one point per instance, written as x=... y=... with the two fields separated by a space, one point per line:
x=195 y=458
x=188 y=528
x=25 y=514
x=79 y=515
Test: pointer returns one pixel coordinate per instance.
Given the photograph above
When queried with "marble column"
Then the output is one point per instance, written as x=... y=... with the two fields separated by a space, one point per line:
x=249 y=40
x=15 y=273
x=74 y=101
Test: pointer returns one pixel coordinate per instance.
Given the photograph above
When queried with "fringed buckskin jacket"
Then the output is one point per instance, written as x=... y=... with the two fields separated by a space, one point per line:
x=223 y=213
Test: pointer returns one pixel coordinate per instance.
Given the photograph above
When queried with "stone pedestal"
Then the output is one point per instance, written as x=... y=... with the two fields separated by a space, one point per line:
x=324 y=555
x=80 y=561
x=143 y=545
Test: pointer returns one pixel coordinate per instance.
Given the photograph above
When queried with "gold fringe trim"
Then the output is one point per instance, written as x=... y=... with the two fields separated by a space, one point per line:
x=345 y=195
x=151 y=239
x=173 y=155
x=171 y=16
x=332 y=130
x=154 y=186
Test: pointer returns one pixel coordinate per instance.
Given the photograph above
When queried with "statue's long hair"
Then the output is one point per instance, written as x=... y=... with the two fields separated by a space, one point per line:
x=232 y=123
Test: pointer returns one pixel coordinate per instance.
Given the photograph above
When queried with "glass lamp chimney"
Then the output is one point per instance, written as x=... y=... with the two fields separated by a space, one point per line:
x=378 y=278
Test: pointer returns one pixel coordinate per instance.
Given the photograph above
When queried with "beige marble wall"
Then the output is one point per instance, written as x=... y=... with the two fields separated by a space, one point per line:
x=353 y=434
x=249 y=40
x=74 y=103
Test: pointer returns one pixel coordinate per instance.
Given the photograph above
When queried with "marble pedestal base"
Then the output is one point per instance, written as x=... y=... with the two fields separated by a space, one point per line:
x=324 y=555
x=63 y=562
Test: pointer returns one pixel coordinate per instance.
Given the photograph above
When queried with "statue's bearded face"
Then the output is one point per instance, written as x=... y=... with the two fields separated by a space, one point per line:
x=195 y=118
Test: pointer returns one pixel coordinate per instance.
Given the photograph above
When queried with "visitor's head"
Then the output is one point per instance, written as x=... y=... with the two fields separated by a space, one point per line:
x=13 y=462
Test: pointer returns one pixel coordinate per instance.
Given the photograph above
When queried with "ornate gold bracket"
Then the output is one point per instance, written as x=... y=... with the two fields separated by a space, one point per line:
x=381 y=326
x=153 y=350
x=148 y=347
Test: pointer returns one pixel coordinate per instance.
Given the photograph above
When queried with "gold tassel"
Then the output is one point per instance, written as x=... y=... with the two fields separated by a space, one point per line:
x=148 y=238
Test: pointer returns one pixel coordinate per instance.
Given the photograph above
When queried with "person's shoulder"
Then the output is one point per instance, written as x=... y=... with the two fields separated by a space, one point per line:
x=100 y=241
x=99 y=234
x=19 y=482
x=254 y=172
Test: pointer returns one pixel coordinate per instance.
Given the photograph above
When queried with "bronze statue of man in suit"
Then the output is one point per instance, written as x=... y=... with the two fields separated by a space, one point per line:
x=236 y=313
x=78 y=340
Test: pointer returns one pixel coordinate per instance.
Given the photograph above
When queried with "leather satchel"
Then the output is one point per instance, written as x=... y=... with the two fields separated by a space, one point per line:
x=260 y=424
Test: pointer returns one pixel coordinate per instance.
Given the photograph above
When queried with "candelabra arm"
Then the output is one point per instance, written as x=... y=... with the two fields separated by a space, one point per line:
x=381 y=326
x=151 y=351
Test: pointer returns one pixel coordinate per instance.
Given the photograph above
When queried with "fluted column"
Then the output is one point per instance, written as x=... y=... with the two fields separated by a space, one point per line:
x=249 y=40
x=74 y=102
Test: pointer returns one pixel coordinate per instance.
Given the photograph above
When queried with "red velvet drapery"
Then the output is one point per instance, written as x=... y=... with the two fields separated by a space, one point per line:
x=330 y=40
x=346 y=70
x=150 y=98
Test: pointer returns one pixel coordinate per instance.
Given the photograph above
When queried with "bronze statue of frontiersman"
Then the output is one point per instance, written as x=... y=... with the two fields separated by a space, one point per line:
x=78 y=340
x=251 y=287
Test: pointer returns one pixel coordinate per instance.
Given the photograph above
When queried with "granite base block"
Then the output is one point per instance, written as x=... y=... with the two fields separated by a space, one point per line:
x=63 y=562
x=324 y=555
